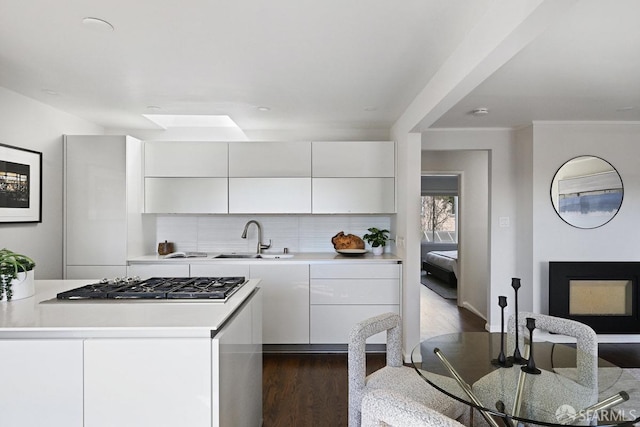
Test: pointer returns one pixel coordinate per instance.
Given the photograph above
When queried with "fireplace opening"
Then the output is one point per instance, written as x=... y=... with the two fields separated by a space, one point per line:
x=603 y=295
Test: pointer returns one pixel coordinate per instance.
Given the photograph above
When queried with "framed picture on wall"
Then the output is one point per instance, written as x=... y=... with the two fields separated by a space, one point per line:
x=20 y=184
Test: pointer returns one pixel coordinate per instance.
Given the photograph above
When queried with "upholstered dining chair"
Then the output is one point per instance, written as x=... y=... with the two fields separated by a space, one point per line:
x=586 y=342
x=394 y=376
x=387 y=407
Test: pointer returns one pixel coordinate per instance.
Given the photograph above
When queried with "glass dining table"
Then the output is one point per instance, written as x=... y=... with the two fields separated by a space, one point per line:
x=465 y=367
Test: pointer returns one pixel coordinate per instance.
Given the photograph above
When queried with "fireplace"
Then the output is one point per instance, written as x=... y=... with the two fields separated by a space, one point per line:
x=603 y=295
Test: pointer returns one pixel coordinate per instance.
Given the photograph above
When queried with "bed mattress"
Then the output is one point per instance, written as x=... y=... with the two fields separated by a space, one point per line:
x=447 y=260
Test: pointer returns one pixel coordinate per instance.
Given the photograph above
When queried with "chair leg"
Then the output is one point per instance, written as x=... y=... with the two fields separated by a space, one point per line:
x=354 y=417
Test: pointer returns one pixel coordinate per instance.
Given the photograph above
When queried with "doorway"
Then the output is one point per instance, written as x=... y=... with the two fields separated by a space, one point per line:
x=469 y=310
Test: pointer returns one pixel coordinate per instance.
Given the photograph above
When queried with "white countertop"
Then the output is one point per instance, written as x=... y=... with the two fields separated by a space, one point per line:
x=43 y=316
x=298 y=257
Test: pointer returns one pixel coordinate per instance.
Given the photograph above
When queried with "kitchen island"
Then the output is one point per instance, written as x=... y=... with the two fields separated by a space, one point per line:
x=131 y=363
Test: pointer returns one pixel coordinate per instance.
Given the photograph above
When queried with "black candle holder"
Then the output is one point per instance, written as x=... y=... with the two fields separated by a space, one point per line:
x=530 y=367
x=502 y=360
x=517 y=357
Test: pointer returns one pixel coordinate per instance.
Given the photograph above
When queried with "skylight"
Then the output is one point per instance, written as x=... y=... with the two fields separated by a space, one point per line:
x=167 y=121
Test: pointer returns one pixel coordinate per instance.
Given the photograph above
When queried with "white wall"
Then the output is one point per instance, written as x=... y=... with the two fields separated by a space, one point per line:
x=555 y=240
x=473 y=283
x=503 y=245
x=29 y=124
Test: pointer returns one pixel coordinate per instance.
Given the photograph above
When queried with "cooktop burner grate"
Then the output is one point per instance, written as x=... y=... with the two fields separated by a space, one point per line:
x=219 y=288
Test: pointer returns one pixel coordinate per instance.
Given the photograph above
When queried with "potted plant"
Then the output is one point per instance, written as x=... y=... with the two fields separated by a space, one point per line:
x=16 y=276
x=377 y=239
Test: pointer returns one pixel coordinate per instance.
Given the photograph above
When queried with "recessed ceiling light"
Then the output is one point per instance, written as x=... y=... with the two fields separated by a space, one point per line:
x=153 y=107
x=482 y=111
x=50 y=92
x=263 y=108
x=191 y=121
x=97 y=24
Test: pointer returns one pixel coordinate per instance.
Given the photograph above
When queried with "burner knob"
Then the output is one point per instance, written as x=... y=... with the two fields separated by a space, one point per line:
x=104 y=280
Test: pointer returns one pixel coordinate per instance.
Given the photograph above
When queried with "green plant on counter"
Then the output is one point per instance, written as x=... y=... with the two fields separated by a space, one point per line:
x=11 y=264
x=376 y=237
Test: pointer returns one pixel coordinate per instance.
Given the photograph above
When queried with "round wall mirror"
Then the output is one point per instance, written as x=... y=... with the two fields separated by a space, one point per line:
x=587 y=192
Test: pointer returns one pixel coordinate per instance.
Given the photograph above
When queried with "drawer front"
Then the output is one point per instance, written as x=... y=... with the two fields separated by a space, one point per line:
x=355 y=291
x=145 y=271
x=355 y=271
x=331 y=324
x=220 y=270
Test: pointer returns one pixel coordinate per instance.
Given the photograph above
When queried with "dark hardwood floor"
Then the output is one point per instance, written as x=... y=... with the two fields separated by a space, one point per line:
x=311 y=389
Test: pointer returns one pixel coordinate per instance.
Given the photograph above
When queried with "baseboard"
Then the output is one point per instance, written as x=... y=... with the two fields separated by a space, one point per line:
x=318 y=348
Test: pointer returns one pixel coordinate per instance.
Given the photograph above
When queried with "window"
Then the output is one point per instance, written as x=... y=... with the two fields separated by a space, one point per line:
x=439 y=218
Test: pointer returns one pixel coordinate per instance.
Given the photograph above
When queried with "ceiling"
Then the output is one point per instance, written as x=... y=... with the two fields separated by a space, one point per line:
x=313 y=64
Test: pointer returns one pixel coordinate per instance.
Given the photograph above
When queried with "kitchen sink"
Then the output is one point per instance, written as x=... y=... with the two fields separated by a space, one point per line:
x=266 y=256
x=237 y=256
x=276 y=256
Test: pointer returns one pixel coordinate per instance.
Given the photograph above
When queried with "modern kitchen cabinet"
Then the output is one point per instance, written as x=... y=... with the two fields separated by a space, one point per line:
x=269 y=195
x=131 y=363
x=42 y=383
x=145 y=271
x=343 y=294
x=220 y=270
x=186 y=177
x=266 y=159
x=102 y=221
x=355 y=159
x=185 y=195
x=155 y=382
x=353 y=177
x=185 y=159
x=286 y=302
x=353 y=195
x=270 y=177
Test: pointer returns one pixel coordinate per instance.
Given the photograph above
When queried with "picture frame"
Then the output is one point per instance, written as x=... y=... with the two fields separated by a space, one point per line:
x=20 y=185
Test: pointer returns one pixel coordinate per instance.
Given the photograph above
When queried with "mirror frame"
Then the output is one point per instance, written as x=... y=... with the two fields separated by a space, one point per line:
x=606 y=179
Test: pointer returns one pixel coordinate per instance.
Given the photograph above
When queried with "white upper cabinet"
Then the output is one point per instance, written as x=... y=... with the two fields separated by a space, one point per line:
x=185 y=159
x=353 y=159
x=269 y=159
x=185 y=195
x=353 y=195
x=269 y=195
x=354 y=177
x=269 y=177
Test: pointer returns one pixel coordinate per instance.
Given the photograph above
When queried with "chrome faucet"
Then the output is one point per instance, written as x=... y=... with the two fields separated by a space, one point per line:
x=260 y=245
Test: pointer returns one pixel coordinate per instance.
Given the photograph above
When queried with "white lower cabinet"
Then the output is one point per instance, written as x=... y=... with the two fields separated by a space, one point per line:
x=286 y=302
x=41 y=383
x=168 y=382
x=146 y=271
x=343 y=294
x=237 y=375
x=153 y=382
x=220 y=270
x=95 y=272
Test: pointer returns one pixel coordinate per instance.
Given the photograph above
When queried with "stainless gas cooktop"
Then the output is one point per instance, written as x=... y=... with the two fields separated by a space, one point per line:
x=169 y=288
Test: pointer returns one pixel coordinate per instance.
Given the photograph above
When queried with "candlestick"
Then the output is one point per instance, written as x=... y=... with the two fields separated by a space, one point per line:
x=517 y=357
x=502 y=360
x=530 y=367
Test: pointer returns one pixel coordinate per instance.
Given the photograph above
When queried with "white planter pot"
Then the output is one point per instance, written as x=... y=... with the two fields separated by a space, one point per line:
x=377 y=250
x=22 y=286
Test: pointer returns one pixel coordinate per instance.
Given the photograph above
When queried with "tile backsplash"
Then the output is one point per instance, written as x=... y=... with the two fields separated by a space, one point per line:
x=299 y=233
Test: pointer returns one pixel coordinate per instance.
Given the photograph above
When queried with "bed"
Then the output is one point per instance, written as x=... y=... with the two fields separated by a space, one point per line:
x=443 y=265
